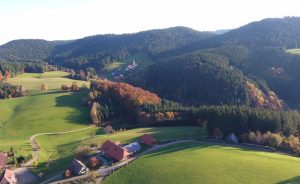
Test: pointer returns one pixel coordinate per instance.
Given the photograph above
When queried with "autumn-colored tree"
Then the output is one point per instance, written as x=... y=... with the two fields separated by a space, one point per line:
x=44 y=87
x=23 y=91
x=252 y=137
x=75 y=87
x=64 y=87
x=159 y=116
x=1 y=77
x=94 y=114
x=7 y=75
x=217 y=134
x=93 y=162
x=169 y=115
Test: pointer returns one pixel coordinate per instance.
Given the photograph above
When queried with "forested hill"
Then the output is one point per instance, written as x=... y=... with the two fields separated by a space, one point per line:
x=97 y=51
x=248 y=65
x=271 y=32
x=26 y=50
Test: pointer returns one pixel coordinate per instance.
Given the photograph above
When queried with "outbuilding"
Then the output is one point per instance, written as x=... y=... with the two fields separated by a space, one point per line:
x=232 y=139
x=77 y=168
x=148 y=140
x=132 y=147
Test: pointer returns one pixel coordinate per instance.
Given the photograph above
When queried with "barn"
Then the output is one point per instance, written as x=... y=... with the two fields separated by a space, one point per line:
x=114 y=151
x=148 y=140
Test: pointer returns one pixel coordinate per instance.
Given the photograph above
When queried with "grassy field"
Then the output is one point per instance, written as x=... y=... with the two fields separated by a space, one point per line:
x=60 y=148
x=209 y=164
x=118 y=67
x=32 y=81
x=23 y=117
x=294 y=51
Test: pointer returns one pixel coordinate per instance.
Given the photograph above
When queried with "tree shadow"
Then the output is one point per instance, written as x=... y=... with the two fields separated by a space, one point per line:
x=294 y=180
x=80 y=115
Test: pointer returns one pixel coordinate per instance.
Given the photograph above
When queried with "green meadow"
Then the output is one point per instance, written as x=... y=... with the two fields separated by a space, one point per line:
x=33 y=81
x=209 y=164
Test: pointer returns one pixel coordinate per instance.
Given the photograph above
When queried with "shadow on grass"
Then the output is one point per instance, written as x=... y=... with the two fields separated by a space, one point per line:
x=48 y=93
x=80 y=114
x=294 y=180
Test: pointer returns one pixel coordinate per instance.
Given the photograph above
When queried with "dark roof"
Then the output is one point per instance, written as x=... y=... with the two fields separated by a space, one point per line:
x=148 y=139
x=76 y=166
x=3 y=160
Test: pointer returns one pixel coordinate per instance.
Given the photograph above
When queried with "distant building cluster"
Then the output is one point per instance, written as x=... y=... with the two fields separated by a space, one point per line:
x=109 y=150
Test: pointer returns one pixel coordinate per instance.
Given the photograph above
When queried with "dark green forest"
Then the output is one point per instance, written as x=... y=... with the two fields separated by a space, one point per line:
x=191 y=67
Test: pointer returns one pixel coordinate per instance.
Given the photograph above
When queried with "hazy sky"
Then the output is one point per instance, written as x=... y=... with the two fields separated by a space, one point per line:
x=69 y=19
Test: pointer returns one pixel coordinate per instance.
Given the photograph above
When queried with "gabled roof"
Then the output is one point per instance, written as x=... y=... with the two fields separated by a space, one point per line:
x=114 y=151
x=3 y=160
x=7 y=177
x=76 y=167
x=148 y=140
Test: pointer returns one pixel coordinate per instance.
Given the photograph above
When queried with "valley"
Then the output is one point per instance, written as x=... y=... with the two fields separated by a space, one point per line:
x=172 y=105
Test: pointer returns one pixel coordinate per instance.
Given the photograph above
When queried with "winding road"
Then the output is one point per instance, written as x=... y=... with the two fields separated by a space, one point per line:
x=35 y=145
x=23 y=174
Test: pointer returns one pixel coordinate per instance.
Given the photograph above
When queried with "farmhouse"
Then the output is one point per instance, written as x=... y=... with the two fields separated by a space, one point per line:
x=132 y=148
x=148 y=140
x=114 y=151
x=8 y=177
x=3 y=160
x=77 y=168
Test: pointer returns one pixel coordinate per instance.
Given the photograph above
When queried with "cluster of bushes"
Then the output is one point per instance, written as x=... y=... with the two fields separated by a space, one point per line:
x=276 y=140
x=74 y=87
x=11 y=91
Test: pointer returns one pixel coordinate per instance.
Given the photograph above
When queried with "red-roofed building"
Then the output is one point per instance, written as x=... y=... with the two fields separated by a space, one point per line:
x=8 y=177
x=148 y=140
x=114 y=151
x=3 y=160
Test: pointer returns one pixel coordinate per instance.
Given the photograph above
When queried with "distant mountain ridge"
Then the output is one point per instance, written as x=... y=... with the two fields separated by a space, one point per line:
x=244 y=66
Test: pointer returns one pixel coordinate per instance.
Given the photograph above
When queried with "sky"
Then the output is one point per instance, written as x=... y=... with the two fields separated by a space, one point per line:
x=72 y=19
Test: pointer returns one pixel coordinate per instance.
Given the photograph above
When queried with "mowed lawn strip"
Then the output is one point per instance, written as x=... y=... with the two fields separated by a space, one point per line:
x=61 y=148
x=191 y=163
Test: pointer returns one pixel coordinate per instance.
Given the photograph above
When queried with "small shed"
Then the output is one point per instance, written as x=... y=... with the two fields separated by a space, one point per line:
x=232 y=139
x=133 y=147
x=148 y=140
x=78 y=168
x=114 y=151
x=3 y=160
x=8 y=177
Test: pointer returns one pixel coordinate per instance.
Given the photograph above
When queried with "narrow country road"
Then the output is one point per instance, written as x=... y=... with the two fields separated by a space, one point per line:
x=35 y=146
x=107 y=171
